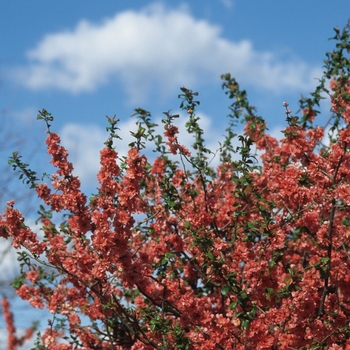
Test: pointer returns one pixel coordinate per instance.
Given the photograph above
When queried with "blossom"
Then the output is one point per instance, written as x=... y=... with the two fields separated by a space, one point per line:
x=32 y=276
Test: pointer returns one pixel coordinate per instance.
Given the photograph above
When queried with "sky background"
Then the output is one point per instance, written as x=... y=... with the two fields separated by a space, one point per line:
x=84 y=60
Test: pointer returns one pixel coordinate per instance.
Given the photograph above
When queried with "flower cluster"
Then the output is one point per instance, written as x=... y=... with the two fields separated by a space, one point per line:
x=177 y=255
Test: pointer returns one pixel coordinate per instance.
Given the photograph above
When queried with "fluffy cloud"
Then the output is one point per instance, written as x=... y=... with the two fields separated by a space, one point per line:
x=83 y=143
x=155 y=48
x=8 y=261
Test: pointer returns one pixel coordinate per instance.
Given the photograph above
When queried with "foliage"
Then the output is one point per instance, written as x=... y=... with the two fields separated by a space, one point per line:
x=177 y=255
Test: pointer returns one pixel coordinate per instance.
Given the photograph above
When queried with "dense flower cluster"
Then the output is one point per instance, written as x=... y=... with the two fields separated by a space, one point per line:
x=176 y=255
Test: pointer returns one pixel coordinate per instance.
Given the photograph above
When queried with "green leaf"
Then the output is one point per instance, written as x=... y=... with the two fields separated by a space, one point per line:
x=210 y=255
x=245 y=324
x=18 y=282
x=225 y=290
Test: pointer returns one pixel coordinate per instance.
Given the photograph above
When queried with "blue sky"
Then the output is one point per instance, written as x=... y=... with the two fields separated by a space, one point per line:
x=85 y=60
x=82 y=61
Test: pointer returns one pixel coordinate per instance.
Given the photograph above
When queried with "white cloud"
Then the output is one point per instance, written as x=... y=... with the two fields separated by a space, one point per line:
x=8 y=261
x=155 y=48
x=83 y=143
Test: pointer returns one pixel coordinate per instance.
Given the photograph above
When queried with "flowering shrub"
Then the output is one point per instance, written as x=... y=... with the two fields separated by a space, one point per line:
x=177 y=255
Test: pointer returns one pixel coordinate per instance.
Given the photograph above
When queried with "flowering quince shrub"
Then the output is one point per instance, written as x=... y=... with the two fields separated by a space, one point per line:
x=177 y=255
